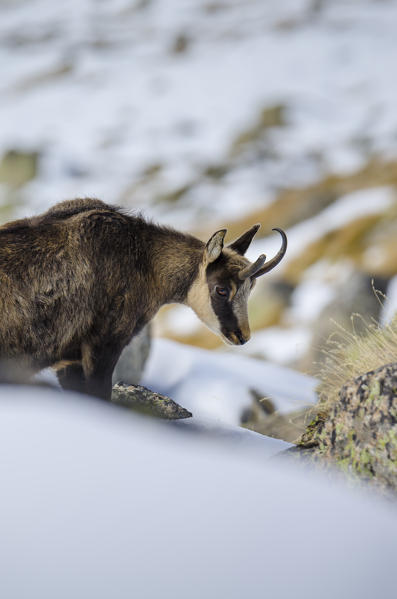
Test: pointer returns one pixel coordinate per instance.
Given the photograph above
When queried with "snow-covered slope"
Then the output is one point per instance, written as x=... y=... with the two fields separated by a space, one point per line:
x=98 y=502
x=110 y=92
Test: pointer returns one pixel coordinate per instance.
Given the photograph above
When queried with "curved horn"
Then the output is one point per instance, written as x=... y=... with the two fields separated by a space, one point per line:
x=251 y=269
x=277 y=258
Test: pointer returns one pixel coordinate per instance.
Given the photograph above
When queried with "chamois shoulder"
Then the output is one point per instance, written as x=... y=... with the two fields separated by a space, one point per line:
x=60 y=212
x=69 y=208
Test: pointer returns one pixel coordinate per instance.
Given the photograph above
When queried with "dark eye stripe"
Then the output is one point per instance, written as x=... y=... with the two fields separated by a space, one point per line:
x=224 y=312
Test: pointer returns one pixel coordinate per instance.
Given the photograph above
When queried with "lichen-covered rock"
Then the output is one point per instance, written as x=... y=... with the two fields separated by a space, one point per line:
x=144 y=400
x=359 y=433
x=131 y=363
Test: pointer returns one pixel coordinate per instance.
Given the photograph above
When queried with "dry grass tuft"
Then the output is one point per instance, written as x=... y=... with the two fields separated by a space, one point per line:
x=349 y=354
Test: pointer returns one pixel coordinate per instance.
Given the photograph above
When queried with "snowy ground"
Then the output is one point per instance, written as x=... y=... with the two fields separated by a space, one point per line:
x=99 y=502
x=129 y=100
x=215 y=386
x=99 y=89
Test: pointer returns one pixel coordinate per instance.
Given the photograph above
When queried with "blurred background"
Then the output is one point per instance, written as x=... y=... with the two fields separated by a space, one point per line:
x=211 y=113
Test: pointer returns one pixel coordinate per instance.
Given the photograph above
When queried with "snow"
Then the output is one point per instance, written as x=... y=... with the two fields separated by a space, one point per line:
x=128 y=102
x=99 y=91
x=309 y=299
x=181 y=320
x=99 y=502
x=215 y=386
x=346 y=209
x=389 y=308
x=320 y=283
x=280 y=345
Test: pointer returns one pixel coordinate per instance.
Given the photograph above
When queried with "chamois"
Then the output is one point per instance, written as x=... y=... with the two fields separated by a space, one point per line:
x=79 y=281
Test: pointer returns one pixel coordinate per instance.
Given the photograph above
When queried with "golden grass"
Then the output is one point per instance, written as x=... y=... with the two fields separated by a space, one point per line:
x=293 y=205
x=348 y=241
x=349 y=354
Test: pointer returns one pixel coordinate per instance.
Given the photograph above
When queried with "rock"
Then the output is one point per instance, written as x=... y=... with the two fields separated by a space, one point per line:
x=181 y=44
x=131 y=363
x=287 y=427
x=148 y=402
x=263 y=418
x=135 y=397
x=353 y=296
x=359 y=432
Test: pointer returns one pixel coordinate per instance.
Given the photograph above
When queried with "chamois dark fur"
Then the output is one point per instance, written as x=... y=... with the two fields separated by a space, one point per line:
x=79 y=281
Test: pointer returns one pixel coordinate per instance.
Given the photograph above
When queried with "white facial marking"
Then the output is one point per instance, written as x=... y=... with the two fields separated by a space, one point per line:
x=198 y=298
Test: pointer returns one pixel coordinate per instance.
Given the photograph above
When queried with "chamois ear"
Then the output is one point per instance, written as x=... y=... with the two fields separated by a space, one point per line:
x=241 y=244
x=214 y=246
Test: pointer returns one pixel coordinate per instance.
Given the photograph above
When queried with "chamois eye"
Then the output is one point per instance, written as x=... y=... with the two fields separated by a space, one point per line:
x=222 y=291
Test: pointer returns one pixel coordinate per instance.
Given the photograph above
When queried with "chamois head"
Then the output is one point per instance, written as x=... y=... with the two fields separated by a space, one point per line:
x=219 y=294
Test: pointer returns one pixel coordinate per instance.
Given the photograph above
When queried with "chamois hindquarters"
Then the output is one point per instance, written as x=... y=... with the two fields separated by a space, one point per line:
x=55 y=283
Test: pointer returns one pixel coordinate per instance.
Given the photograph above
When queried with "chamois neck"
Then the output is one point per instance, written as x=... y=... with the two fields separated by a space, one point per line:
x=176 y=258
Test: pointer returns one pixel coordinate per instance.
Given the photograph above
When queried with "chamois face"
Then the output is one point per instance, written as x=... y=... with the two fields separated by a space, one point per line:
x=219 y=295
x=228 y=296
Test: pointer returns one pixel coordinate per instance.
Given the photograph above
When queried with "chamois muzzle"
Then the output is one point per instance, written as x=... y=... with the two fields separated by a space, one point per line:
x=260 y=266
x=237 y=337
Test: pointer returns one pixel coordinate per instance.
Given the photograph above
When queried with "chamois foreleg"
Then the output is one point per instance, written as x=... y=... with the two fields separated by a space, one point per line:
x=98 y=366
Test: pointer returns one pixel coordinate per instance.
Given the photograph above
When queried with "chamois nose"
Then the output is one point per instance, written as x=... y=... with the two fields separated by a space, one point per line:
x=239 y=338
